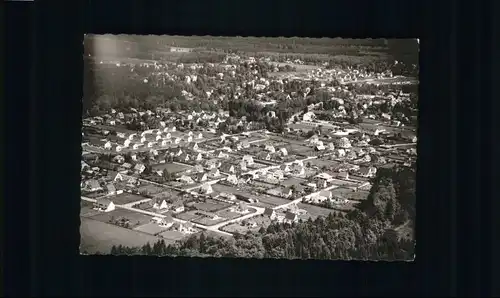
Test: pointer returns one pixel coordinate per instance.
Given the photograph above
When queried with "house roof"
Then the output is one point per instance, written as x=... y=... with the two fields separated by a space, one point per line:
x=268 y=211
x=168 y=219
x=93 y=183
x=177 y=204
x=290 y=215
x=111 y=187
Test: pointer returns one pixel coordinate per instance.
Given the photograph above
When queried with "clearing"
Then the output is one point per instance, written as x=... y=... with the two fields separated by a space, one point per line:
x=126 y=198
x=135 y=218
x=150 y=228
x=99 y=237
x=211 y=206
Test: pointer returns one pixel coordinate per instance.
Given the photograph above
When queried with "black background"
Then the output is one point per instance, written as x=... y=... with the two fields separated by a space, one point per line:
x=43 y=84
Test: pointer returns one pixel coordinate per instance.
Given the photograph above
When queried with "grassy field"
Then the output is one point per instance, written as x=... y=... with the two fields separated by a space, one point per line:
x=272 y=200
x=292 y=181
x=97 y=236
x=211 y=206
x=315 y=211
x=126 y=198
x=226 y=213
x=203 y=220
x=86 y=209
x=189 y=215
x=349 y=194
x=136 y=219
x=150 y=228
x=320 y=162
x=171 y=167
x=172 y=235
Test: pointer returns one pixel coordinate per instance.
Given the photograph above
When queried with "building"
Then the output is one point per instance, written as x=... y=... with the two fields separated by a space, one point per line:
x=270 y=213
x=291 y=217
x=232 y=179
x=177 y=207
x=111 y=190
x=206 y=189
x=167 y=221
x=368 y=172
x=92 y=185
x=248 y=159
x=201 y=177
x=104 y=205
x=343 y=175
x=162 y=205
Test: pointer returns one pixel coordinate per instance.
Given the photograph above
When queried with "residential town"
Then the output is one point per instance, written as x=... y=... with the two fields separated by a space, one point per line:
x=168 y=171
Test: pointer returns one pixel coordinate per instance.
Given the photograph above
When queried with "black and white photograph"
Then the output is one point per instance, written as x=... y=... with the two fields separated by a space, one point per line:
x=249 y=147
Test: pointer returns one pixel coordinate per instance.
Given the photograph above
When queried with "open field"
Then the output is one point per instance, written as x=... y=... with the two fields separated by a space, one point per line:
x=189 y=215
x=136 y=218
x=97 y=236
x=272 y=200
x=126 y=198
x=86 y=209
x=172 y=235
x=226 y=213
x=299 y=149
x=321 y=162
x=292 y=181
x=315 y=211
x=203 y=220
x=211 y=206
x=171 y=167
x=344 y=183
x=150 y=228
x=349 y=194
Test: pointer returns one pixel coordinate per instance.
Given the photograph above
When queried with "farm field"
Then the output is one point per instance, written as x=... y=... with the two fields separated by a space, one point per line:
x=136 y=219
x=150 y=189
x=299 y=149
x=126 y=198
x=150 y=228
x=292 y=181
x=320 y=162
x=99 y=237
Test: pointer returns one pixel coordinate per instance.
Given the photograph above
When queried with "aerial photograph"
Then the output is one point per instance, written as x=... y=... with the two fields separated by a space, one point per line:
x=249 y=147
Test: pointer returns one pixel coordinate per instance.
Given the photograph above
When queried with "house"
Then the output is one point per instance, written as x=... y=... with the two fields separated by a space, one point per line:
x=319 y=148
x=119 y=159
x=243 y=166
x=118 y=177
x=183 y=157
x=167 y=221
x=215 y=173
x=186 y=227
x=193 y=146
x=179 y=152
x=92 y=185
x=269 y=148
x=199 y=157
x=213 y=163
x=206 y=189
x=245 y=144
x=177 y=207
x=111 y=190
x=201 y=177
x=199 y=168
x=84 y=165
x=162 y=205
x=220 y=154
x=242 y=207
x=188 y=139
x=285 y=168
x=199 y=136
x=367 y=172
x=283 y=151
x=227 y=168
x=248 y=159
x=291 y=217
x=139 y=168
x=104 y=205
x=232 y=179
x=270 y=212
x=263 y=155
x=287 y=192
x=186 y=179
x=343 y=175
x=309 y=116
x=340 y=152
x=177 y=141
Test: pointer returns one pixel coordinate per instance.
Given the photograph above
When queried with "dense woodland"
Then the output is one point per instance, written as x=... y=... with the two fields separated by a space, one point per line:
x=381 y=229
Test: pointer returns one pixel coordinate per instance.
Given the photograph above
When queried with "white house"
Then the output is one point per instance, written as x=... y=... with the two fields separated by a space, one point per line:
x=232 y=179
x=206 y=189
x=283 y=151
x=248 y=159
x=104 y=205
x=167 y=222
x=162 y=205
x=186 y=179
x=107 y=145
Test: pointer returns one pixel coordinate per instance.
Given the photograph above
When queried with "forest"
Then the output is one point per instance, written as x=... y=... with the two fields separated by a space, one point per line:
x=380 y=229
